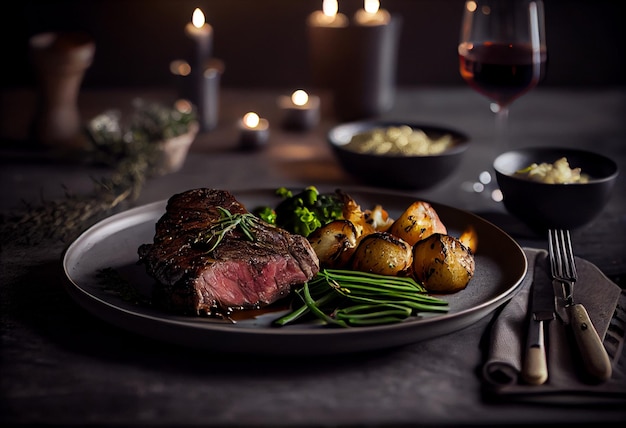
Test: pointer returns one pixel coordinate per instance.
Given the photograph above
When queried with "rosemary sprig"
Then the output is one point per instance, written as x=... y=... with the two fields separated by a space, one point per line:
x=212 y=237
x=351 y=298
x=132 y=153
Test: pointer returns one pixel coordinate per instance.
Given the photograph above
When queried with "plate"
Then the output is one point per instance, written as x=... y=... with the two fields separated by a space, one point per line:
x=112 y=243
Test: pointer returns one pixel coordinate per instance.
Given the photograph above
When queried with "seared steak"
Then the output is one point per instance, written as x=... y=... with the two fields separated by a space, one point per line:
x=238 y=273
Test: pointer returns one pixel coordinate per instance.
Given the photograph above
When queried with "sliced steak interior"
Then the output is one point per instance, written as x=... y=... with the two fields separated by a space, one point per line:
x=238 y=273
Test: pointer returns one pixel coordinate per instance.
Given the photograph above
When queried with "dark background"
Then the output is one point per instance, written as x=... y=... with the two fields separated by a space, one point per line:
x=263 y=42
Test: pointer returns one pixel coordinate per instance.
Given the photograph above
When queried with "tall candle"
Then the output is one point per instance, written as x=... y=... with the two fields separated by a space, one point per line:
x=208 y=105
x=202 y=35
x=357 y=63
x=372 y=14
x=329 y=16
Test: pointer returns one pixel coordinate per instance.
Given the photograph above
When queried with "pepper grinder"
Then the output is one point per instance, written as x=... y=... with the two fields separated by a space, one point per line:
x=60 y=61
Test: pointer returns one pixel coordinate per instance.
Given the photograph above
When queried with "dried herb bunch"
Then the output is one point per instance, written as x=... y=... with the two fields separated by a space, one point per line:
x=131 y=152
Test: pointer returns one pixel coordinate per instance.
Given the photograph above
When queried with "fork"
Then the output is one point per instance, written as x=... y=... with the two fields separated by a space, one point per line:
x=563 y=267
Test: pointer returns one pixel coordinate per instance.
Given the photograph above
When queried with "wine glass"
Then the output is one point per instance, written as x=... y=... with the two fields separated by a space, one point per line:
x=502 y=55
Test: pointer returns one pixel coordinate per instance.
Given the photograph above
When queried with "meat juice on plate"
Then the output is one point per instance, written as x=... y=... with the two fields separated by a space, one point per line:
x=500 y=71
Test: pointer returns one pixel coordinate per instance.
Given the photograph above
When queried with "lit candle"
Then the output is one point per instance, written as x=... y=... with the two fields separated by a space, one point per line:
x=202 y=34
x=255 y=131
x=329 y=16
x=372 y=14
x=302 y=111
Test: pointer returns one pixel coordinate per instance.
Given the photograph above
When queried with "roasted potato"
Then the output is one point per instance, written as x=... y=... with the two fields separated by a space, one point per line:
x=417 y=222
x=442 y=263
x=334 y=242
x=382 y=253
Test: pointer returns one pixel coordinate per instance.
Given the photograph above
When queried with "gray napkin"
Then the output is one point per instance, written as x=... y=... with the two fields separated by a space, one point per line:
x=606 y=304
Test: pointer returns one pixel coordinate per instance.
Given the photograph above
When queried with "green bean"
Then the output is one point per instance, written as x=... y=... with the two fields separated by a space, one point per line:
x=352 y=298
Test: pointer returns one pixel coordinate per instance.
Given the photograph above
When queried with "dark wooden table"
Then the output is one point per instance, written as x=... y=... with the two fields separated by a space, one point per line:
x=61 y=365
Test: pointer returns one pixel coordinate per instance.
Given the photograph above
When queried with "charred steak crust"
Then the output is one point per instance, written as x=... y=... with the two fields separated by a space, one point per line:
x=238 y=274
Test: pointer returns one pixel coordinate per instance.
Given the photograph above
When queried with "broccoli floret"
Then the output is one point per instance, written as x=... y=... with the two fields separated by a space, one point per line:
x=307 y=211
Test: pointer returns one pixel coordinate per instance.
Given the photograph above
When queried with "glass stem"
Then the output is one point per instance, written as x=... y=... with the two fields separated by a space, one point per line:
x=502 y=130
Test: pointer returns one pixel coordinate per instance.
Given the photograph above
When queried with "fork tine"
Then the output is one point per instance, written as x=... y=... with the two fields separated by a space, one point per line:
x=570 y=264
x=552 y=252
x=562 y=260
x=556 y=254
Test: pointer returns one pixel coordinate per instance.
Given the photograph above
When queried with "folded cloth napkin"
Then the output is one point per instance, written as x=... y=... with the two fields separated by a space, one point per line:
x=606 y=304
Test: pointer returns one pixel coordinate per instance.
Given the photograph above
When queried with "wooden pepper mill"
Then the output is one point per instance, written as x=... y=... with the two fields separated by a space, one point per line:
x=60 y=61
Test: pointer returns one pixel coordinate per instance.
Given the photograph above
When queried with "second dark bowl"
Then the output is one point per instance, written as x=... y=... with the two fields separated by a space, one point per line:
x=567 y=206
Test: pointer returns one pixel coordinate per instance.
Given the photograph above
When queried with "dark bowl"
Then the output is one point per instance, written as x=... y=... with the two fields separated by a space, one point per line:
x=568 y=206
x=406 y=172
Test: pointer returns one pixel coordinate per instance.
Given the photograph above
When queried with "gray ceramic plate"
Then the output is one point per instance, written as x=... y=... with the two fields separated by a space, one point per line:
x=500 y=267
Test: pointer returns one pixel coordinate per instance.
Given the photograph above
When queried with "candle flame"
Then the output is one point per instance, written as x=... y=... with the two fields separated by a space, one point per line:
x=197 y=19
x=330 y=8
x=300 y=97
x=251 y=120
x=371 y=6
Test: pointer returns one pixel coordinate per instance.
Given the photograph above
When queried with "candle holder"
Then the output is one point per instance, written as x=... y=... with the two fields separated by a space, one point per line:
x=60 y=61
x=357 y=64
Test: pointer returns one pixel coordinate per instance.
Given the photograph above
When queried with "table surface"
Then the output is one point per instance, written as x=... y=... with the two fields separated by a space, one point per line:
x=61 y=365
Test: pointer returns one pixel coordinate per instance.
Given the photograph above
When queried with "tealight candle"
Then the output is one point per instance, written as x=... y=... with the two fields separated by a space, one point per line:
x=255 y=131
x=329 y=16
x=302 y=111
x=372 y=14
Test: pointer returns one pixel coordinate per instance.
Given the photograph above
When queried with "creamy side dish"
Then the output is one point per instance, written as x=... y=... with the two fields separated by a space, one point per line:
x=398 y=140
x=558 y=172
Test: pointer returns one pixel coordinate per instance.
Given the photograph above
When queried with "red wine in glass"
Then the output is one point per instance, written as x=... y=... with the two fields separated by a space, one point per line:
x=502 y=55
x=500 y=71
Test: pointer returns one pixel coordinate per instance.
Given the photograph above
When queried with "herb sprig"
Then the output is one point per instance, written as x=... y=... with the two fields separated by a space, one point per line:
x=213 y=236
x=133 y=154
x=351 y=298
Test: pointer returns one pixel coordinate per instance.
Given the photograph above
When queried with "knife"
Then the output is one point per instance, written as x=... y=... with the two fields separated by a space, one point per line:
x=535 y=370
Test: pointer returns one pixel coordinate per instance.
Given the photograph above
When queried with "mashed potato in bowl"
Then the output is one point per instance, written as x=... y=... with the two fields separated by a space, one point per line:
x=558 y=172
x=398 y=141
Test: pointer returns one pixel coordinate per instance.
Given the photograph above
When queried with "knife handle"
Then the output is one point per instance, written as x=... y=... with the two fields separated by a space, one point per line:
x=536 y=366
x=592 y=351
